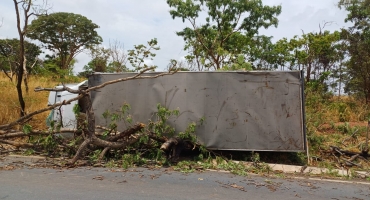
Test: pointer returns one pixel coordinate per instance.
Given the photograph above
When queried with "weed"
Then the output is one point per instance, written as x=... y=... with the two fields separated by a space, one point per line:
x=27 y=128
x=130 y=160
x=315 y=141
x=185 y=166
x=111 y=164
x=268 y=181
x=206 y=164
x=29 y=152
x=255 y=158
x=95 y=155
x=333 y=172
x=75 y=141
x=345 y=128
x=280 y=175
x=237 y=168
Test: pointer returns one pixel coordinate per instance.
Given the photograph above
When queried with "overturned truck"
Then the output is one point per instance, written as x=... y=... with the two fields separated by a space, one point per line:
x=249 y=111
x=244 y=111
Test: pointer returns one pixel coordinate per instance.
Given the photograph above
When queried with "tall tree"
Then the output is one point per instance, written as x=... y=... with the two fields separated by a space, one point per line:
x=358 y=66
x=263 y=54
x=112 y=59
x=316 y=53
x=99 y=62
x=24 y=10
x=118 y=57
x=357 y=38
x=228 y=29
x=10 y=56
x=65 y=34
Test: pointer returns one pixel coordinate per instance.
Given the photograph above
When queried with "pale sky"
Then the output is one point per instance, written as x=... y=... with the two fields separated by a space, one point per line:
x=136 y=22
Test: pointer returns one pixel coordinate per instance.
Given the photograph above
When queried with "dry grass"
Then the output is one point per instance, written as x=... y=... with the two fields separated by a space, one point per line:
x=339 y=122
x=34 y=100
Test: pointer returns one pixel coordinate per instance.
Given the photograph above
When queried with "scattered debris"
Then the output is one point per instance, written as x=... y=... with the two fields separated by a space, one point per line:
x=100 y=178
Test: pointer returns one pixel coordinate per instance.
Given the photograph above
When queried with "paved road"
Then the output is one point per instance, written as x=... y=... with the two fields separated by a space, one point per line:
x=141 y=183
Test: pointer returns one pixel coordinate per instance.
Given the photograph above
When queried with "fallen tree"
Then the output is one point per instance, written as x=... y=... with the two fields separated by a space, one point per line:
x=91 y=140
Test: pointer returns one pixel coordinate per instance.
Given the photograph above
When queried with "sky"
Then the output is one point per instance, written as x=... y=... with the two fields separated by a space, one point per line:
x=133 y=22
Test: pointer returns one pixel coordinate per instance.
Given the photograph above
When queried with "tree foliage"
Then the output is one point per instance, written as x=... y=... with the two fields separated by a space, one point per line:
x=357 y=39
x=315 y=53
x=112 y=59
x=226 y=33
x=142 y=53
x=10 y=56
x=50 y=66
x=100 y=56
x=65 y=34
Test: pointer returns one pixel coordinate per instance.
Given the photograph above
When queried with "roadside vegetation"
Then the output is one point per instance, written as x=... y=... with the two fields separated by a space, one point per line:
x=331 y=121
x=337 y=92
x=35 y=101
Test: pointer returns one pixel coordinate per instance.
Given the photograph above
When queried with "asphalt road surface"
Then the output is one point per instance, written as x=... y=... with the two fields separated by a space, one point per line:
x=140 y=183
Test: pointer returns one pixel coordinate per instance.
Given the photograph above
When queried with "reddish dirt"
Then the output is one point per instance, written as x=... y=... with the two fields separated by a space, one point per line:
x=351 y=124
x=328 y=129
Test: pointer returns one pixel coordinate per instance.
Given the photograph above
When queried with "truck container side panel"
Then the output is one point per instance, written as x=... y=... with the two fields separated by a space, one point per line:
x=242 y=110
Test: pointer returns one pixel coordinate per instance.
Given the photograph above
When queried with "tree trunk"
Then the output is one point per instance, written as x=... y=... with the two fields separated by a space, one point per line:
x=20 y=73
x=308 y=75
x=20 y=95
x=26 y=6
x=90 y=137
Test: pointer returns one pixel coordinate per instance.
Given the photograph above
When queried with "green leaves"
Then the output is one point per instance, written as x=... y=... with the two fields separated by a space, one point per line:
x=140 y=53
x=357 y=45
x=65 y=34
x=160 y=126
x=315 y=53
x=27 y=128
x=228 y=32
x=359 y=12
x=185 y=9
x=10 y=55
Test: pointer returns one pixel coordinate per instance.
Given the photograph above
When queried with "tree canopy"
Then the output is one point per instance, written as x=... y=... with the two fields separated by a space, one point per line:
x=10 y=56
x=65 y=34
x=227 y=31
x=112 y=59
x=357 y=40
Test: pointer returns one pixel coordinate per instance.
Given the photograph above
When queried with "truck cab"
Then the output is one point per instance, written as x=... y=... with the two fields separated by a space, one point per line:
x=64 y=114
